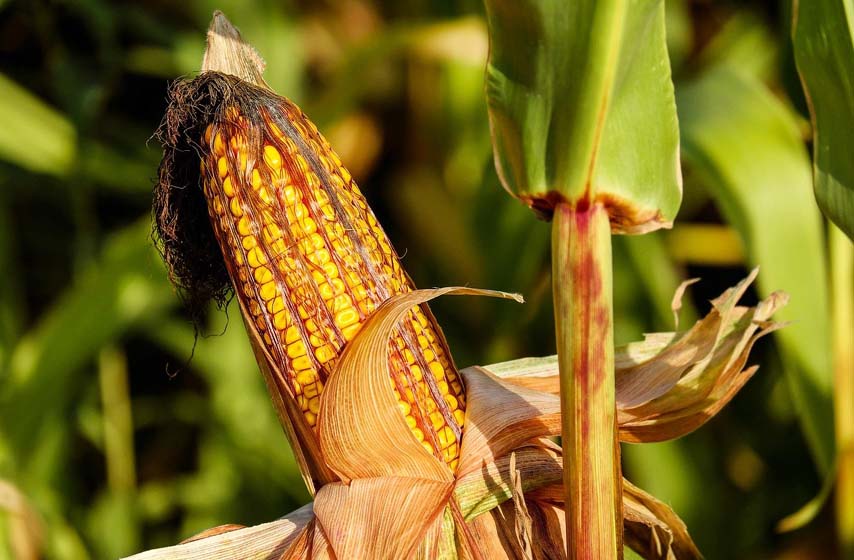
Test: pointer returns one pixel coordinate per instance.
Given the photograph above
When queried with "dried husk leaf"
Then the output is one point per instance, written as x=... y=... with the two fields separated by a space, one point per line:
x=361 y=430
x=670 y=384
x=481 y=490
x=676 y=302
x=382 y=518
x=523 y=522
x=501 y=417
x=269 y=540
x=652 y=529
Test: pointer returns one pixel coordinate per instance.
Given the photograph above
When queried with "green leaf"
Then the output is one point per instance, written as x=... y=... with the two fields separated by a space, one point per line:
x=126 y=286
x=745 y=147
x=581 y=107
x=824 y=52
x=36 y=136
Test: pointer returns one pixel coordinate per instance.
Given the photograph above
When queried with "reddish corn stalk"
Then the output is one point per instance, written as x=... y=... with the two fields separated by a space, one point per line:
x=581 y=261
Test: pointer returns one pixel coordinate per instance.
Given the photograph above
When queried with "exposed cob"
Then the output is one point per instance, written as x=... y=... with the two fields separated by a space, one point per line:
x=310 y=262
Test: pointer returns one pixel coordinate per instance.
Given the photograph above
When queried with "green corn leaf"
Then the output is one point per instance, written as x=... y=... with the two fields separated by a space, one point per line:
x=127 y=285
x=824 y=52
x=36 y=136
x=581 y=107
x=745 y=147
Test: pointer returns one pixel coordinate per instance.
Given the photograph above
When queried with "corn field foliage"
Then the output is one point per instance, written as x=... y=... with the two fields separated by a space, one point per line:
x=129 y=423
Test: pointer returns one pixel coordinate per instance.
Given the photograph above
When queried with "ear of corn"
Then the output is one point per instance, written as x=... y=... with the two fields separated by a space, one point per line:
x=310 y=262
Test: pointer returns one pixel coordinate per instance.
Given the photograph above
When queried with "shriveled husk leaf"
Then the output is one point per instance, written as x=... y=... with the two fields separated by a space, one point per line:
x=393 y=493
x=361 y=429
x=670 y=384
x=269 y=540
x=501 y=417
x=652 y=529
x=381 y=518
x=512 y=409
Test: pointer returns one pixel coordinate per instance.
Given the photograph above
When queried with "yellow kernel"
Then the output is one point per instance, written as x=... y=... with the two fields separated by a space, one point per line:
x=303 y=362
x=222 y=167
x=340 y=303
x=272 y=232
x=306 y=378
x=437 y=420
x=429 y=356
x=276 y=305
x=249 y=242
x=324 y=354
x=427 y=446
x=346 y=318
x=219 y=146
x=272 y=157
x=350 y=332
x=437 y=370
x=280 y=320
x=296 y=349
x=244 y=227
x=443 y=388
x=446 y=436
x=311 y=390
x=331 y=270
x=217 y=206
x=314 y=404
x=410 y=421
x=256 y=179
x=418 y=434
x=424 y=343
x=290 y=194
x=268 y=291
x=291 y=335
x=263 y=274
x=460 y=416
x=208 y=132
x=256 y=257
x=236 y=210
x=404 y=407
x=416 y=373
x=452 y=401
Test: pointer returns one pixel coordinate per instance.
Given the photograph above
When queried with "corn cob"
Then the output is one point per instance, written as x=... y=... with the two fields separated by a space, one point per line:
x=310 y=262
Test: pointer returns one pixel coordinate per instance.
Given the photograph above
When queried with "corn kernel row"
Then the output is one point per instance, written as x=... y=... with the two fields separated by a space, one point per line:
x=311 y=262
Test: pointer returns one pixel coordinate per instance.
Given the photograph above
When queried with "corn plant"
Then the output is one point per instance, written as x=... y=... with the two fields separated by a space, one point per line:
x=404 y=454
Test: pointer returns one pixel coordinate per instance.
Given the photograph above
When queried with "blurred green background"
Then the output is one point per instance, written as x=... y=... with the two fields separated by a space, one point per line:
x=117 y=434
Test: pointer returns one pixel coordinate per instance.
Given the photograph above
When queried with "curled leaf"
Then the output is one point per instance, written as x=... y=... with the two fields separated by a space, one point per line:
x=652 y=529
x=382 y=518
x=361 y=429
x=501 y=417
x=269 y=540
x=669 y=384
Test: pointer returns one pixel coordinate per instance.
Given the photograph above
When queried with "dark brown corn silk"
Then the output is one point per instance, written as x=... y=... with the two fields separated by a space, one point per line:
x=304 y=252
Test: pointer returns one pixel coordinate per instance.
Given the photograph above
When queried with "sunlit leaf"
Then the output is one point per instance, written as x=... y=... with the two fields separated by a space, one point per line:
x=36 y=136
x=745 y=146
x=569 y=110
x=823 y=32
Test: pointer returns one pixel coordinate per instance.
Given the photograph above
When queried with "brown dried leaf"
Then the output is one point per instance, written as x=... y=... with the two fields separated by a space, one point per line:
x=523 y=518
x=501 y=417
x=269 y=540
x=361 y=429
x=654 y=530
x=382 y=518
x=669 y=384
x=676 y=302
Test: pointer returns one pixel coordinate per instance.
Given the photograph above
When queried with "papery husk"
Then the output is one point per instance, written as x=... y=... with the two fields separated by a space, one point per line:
x=269 y=540
x=393 y=494
x=652 y=529
x=670 y=384
x=427 y=514
x=361 y=430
